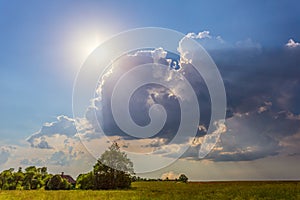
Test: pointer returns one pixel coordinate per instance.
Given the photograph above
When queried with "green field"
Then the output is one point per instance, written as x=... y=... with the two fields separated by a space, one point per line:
x=173 y=191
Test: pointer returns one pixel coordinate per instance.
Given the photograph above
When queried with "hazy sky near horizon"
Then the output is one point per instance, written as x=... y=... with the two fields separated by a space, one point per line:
x=255 y=44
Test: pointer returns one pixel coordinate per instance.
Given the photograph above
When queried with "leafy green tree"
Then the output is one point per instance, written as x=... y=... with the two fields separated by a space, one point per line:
x=19 y=178
x=43 y=171
x=183 y=178
x=43 y=177
x=35 y=178
x=115 y=159
x=29 y=183
x=7 y=179
x=85 y=181
x=58 y=183
x=112 y=170
x=32 y=178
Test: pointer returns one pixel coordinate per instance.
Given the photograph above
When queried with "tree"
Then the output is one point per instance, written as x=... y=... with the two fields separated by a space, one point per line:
x=85 y=181
x=114 y=158
x=112 y=170
x=58 y=183
x=19 y=178
x=30 y=172
x=7 y=179
x=183 y=178
x=32 y=178
x=43 y=171
x=35 y=178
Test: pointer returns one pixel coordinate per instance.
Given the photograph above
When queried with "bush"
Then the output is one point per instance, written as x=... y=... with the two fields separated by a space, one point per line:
x=183 y=178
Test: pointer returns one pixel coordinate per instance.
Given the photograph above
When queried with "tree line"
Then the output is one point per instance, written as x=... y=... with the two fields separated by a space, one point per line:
x=182 y=178
x=113 y=170
x=31 y=178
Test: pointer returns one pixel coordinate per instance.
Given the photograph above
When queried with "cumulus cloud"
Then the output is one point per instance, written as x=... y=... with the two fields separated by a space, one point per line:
x=250 y=94
x=210 y=42
x=62 y=150
x=211 y=139
x=156 y=54
x=200 y=35
x=247 y=136
x=216 y=42
x=63 y=126
x=263 y=111
x=42 y=143
x=64 y=157
x=145 y=96
x=56 y=144
x=292 y=44
x=255 y=135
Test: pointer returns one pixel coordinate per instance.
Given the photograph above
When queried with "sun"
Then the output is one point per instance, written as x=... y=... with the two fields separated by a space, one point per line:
x=82 y=43
x=87 y=44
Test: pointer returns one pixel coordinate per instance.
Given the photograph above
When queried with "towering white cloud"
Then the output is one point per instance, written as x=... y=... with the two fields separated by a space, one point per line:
x=63 y=126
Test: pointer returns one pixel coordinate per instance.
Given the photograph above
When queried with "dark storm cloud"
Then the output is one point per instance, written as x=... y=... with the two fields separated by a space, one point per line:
x=254 y=135
x=145 y=96
x=253 y=77
x=263 y=91
x=262 y=88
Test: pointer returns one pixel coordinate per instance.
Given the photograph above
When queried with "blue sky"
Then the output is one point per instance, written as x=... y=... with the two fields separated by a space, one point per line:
x=44 y=43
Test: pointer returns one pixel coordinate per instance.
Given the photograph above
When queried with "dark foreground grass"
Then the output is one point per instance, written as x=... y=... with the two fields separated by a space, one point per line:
x=173 y=191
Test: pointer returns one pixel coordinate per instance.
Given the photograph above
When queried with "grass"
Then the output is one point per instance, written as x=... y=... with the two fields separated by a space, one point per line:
x=173 y=191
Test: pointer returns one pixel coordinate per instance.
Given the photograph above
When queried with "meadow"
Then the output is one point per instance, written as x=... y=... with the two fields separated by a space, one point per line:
x=172 y=190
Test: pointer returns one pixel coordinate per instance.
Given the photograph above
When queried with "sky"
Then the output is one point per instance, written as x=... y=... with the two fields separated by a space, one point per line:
x=254 y=44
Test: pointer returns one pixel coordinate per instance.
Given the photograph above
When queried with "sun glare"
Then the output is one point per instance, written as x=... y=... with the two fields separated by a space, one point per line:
x=86 y=45
x=82 y=44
